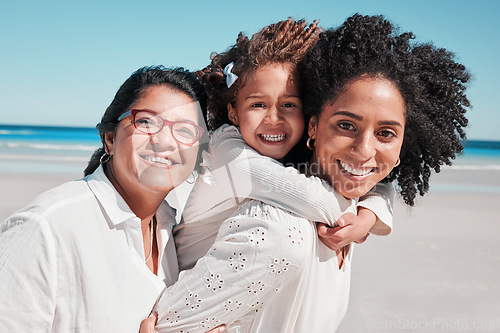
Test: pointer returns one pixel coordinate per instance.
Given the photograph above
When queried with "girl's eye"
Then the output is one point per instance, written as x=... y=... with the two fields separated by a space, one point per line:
x=288 y=105
x=258 y=105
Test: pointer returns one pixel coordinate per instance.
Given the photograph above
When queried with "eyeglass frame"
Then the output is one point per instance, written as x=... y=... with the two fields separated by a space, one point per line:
x=169 y=123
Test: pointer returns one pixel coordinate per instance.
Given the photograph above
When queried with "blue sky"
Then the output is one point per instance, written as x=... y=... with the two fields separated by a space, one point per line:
x=62 y=61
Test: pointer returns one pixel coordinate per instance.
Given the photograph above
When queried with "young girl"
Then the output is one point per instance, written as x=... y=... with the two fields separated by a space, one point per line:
x=264 y=101
x=254 y=87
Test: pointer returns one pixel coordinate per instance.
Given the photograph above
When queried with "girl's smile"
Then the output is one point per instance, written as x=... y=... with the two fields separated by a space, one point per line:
x=268 y=110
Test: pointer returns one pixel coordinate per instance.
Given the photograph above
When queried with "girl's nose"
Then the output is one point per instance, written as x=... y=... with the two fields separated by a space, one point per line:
x=273 y=115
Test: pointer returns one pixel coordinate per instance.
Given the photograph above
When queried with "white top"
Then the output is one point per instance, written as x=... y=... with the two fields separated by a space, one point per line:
x=234 y=173
x=73 y=261
x=266 y=272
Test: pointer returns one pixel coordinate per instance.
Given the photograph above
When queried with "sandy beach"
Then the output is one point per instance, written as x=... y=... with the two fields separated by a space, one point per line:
x=437 y=272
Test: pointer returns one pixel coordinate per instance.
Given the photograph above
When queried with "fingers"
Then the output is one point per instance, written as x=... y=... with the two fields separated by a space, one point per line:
x=326 y=231
x=346 y=219
x=329 y=237
x=218 y=329
x=337 y=237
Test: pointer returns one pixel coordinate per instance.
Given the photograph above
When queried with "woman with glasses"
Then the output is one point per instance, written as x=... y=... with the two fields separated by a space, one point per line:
x=92 y=255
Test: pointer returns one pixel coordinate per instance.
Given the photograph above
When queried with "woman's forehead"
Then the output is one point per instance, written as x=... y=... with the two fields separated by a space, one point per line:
x=168 y=102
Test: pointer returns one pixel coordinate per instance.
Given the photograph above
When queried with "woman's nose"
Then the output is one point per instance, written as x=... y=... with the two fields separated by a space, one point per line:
x=163 y=140
x=364 y=146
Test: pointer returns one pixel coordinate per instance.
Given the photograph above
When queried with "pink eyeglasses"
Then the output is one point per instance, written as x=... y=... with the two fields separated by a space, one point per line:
x=149 y=122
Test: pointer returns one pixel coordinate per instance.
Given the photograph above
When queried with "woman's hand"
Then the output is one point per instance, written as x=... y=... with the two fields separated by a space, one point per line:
x=148 y=325
x=352 y=228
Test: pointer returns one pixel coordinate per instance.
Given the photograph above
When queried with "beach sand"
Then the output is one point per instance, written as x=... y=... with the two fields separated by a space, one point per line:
x=437 y=272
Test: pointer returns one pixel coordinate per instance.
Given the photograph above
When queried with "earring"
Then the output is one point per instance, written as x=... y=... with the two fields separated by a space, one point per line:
x=192 y=181
x=309 y=145
x=105 y=157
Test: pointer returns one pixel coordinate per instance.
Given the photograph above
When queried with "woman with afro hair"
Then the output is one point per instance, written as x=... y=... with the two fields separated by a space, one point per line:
x=432 y=86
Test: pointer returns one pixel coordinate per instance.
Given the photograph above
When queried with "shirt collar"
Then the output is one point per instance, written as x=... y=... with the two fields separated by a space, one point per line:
x=111 y=201
x=114 y=206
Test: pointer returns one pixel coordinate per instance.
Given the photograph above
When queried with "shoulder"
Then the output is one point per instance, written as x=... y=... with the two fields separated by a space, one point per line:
x=60 y=202
x=57 y=197
x=225 y=132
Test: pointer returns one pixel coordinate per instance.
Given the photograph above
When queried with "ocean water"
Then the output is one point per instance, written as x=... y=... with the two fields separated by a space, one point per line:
x=39 y=149
x=43 y=149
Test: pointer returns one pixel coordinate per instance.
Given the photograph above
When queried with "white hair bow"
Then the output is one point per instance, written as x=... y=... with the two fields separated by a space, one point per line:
x=230 y=77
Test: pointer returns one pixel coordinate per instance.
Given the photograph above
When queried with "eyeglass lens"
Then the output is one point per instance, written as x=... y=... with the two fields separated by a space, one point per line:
x=151 y=123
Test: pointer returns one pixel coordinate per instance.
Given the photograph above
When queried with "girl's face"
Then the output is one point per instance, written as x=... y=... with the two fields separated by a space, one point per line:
x=359 y=136
x=268 y=110
x=152 y=162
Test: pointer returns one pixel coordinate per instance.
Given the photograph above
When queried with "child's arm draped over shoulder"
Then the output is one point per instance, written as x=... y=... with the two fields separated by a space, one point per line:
x=237 y=171
x=233 y=172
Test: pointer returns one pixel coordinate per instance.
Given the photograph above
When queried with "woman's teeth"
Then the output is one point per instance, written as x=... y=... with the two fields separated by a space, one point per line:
x=158 y=159
x=354 y=171
x=273 y=137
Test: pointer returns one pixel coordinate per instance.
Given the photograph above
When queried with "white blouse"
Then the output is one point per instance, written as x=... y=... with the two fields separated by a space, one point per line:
x=234 y=173
x=266 y=272
x=73 y=261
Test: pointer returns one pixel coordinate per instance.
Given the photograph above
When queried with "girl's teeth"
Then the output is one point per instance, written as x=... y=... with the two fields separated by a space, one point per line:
x=273 y=137
x=158 y=159
x=354 y=171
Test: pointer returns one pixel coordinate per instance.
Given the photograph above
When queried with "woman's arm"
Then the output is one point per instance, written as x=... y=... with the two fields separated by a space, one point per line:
x=28 y=274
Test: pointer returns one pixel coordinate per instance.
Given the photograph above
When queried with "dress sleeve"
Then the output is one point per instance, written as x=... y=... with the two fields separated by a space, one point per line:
x=250 y=260
x=380 y=200
x=243 y=173
x=28 y=271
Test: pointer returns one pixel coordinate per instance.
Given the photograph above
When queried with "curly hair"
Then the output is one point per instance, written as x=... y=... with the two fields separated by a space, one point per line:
x=284 y=42
x=431 y=82
x=134 y=87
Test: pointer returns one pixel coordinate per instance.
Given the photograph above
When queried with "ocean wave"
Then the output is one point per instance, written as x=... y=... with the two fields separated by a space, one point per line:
x=51 y=158
x=48 y=146
x=16 y=132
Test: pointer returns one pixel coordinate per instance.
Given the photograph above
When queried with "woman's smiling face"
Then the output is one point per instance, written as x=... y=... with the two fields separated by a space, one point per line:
x=153 y=161
x=359 y=136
